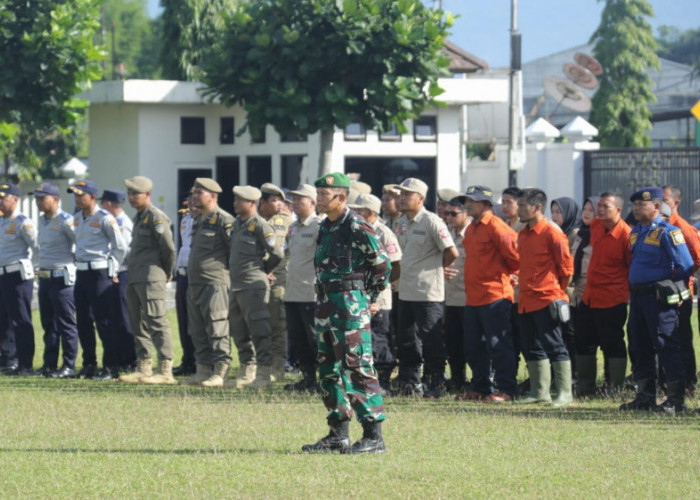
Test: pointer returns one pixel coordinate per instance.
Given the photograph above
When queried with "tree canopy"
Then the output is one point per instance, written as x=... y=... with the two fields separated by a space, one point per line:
x=309 y=65
x=625 y=46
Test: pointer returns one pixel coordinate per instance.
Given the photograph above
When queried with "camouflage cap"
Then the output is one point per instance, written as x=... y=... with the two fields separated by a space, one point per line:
x=367 y=201
x=7 y=189
x=361 y=187
x=270 y=188
x=413 y=185
x=139 y=184
x=304 y=190
x=334 y=180
x=250 y=193
x=208 y=184
x=446 y=194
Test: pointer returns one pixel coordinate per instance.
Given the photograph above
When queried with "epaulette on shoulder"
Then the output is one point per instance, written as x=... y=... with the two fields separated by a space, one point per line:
x=102 y=212
x=64 y=215
x=21 y=217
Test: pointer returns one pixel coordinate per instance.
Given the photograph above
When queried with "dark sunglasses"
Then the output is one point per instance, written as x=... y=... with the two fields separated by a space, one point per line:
x=449 y=213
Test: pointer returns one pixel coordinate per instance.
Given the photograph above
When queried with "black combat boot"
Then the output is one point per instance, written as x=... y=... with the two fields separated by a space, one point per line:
x=306 y=384
x=435 y=387
x=675 y=402
x=384 y=376
x=645 y=400
x=336 y=440
x=371 y=441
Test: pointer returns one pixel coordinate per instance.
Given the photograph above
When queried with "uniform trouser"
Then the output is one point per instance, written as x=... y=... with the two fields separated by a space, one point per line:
x=381 y=341
x=147 y=312
x=541 y=337
x=123 y=329
x=249 y=318
x=57 y=313
x=207 y=314
x=652 y=331
x=302 y=336
x=602 y=327
x=16 y=319
x=420 y=340
x=454 y=341
x=489 y=345
x=181 y=310
x=515 y=334
x=685 y=332
x=278 y=324
x=348 y=378
x=93 y=295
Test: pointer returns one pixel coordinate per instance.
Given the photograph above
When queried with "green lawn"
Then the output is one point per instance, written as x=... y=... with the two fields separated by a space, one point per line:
x=77 y=438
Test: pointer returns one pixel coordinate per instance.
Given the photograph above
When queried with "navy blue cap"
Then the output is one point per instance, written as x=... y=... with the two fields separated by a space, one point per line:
x=114 y=196
x=647 y=194
x=6 y=189
x=83 y=187
x=480 y=193
x=47 y=189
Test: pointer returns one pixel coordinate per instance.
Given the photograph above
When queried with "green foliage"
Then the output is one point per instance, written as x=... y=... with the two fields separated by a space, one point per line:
x=189 y=27
x=625 y=46
x=47 y=56
x=310 y=65
x=680 y=46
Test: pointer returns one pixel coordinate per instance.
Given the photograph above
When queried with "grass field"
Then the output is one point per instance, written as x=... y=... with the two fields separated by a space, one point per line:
x=85 y=439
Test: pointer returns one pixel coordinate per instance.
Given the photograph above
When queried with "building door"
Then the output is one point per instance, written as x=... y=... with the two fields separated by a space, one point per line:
x=228 y=174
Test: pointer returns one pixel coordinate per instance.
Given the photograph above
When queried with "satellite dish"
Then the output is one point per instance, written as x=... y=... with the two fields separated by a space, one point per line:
x=566 y=94
x=588 y=62
x=580 y=75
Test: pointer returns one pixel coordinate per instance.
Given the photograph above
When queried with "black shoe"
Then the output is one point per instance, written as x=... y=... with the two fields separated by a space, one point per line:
x=21 y=372
x=64 y=372
x=10 y=368
x=128 y=368
x=371 y=442
x=336 y=440
x=44 y=371
x=642 y=402
x=674 y=404
x=106 y=374
x=87 y=371
x=306 y=384
x=412 y=390
x=436 y=388
x=184 y=370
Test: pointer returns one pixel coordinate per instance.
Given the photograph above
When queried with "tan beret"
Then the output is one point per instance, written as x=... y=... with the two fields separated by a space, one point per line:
x=250 y=193
x=209 y=184
x=270 y=188
x=139 y=184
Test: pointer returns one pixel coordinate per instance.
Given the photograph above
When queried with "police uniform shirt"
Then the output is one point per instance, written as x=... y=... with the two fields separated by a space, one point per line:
x=455 y=293
x=56 y=240
x=254 y=251
x=17 y=238
x=209 y=251
x=423 y=241
x=152 y=253
x=127 y=228
x=98 y=237
x=183 y=254
x=658 y=252
x=301 y=274
x=280 y=223
x=391 y=245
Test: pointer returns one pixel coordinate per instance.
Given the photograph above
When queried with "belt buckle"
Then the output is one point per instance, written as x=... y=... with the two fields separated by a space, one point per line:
x=44 y=274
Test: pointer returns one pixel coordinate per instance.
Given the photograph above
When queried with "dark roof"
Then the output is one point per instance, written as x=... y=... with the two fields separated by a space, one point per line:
x=462 y=61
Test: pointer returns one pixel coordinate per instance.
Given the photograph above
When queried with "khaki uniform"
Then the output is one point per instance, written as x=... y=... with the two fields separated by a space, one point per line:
x=254 y=252
x=455 y=293
x=150 y=263
x=209 y=281
x=278 y=319
x=393 y=251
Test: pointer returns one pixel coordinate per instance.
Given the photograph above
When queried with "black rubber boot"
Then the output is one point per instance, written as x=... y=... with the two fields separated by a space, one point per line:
x=372 y=441
x=675 y=402
x=645 y=400
x=336 y=440
x=306 y=384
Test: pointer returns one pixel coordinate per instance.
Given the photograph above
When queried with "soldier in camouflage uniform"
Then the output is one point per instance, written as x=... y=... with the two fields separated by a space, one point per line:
x=351 y=271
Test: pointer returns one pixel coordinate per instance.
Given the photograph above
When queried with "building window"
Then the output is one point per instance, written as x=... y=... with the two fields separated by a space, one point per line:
x=191 y=130
x=294 y=171
x=425 y=129
x=259 y=170
x=293 y=137
x=390 y=135
x=226 y=130
x=355 y=132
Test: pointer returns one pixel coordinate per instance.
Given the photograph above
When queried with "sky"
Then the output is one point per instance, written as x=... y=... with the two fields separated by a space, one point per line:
x=547 y=26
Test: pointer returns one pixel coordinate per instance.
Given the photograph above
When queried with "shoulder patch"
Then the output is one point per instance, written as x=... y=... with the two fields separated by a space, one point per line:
x=270 y=239
x=103 y=211
x=677 y=236
x=159 y=227
x=29 y=230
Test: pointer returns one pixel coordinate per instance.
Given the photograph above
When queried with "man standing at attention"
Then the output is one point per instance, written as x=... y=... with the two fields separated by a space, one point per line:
x=546 y=267
x=351 y=271
x=208 y=287
x=150 y=262
x=427 y=249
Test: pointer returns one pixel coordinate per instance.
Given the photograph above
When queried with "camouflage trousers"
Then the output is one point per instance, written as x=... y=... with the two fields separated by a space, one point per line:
x=346 y=370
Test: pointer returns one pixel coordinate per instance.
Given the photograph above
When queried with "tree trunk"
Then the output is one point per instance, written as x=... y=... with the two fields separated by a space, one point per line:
x=325 y=159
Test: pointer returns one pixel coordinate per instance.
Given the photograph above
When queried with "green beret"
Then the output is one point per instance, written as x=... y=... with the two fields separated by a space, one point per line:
x=334 y=180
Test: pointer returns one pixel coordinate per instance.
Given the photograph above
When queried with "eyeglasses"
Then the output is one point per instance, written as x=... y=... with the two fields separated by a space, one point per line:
x=451 y=214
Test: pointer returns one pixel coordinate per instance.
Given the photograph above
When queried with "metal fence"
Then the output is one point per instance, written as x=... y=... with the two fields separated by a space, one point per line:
x=626 y=170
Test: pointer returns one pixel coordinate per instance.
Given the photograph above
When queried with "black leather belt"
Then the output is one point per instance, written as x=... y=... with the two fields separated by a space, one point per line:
x=339 y=286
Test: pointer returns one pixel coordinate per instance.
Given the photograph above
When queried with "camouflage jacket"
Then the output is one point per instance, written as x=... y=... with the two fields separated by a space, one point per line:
x=349 y=251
